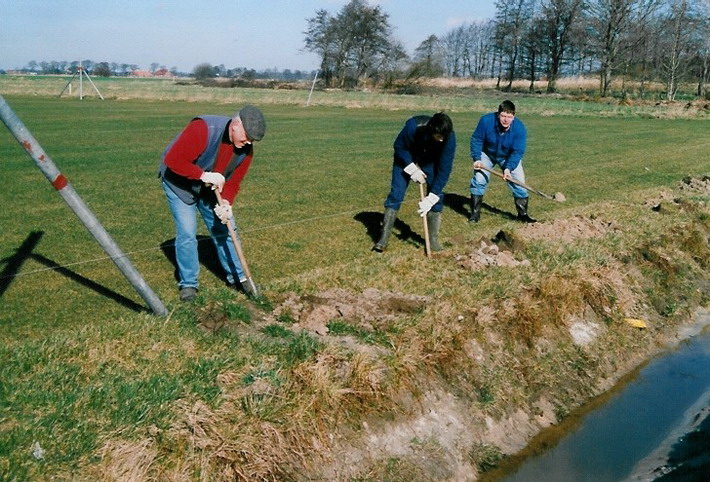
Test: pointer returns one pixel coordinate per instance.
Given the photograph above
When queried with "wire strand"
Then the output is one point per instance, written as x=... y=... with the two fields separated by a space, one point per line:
x=138 y=251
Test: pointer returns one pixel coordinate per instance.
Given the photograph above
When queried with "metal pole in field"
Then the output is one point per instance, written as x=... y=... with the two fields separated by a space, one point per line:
x=315 y=77
x=67 y=86
x=81 y=84
x=81 y=73
x=61 y=184
x=92 y=84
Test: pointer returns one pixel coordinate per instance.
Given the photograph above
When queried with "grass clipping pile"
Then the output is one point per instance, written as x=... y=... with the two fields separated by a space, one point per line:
x=408 y=387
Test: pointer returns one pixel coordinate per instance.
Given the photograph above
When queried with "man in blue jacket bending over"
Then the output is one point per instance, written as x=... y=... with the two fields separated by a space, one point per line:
x=499 y=138
x=424 y=153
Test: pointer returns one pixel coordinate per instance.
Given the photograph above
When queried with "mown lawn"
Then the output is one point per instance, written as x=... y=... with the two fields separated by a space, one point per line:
x=310 y=200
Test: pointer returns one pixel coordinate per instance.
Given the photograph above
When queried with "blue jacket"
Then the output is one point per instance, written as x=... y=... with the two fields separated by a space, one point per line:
x=505 y=148
x=413 y=144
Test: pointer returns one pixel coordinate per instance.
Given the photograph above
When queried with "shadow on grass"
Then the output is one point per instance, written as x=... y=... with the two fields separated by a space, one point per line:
x=206 y=252
x=14 y=263
x=458 y=204
x=401 y=230
x=25 y=252
x=462 y=205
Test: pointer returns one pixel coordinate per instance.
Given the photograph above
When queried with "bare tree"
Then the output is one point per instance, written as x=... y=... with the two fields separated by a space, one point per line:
x=478 y=53
x=454 y=46
x=352 y=43
x=701 y=64
x=371 y=36
x=428 y=58
x=610 y=23
x=511 y=23
x=704 y=74
x=320 y=40
x=392 y=63
x=559 y=20
x=674 y=62
x=342 y=46
x=468 y=50
x=534 y=49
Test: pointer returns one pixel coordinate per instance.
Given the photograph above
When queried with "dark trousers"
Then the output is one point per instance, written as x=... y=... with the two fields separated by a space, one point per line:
x=400 y=182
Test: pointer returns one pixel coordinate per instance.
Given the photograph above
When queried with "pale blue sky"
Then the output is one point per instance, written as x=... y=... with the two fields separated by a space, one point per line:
x=183 y=33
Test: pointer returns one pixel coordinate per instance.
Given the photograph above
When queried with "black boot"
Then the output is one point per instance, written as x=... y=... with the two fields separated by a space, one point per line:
x=476 y=203
x=434 y=222
x=387 y=224
x=521 y=204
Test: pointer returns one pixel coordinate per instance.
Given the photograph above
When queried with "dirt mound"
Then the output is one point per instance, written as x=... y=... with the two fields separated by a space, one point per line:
x=566 y=230
x=488 y=254
x=369 y=309
x=700 y=105
x=688 y=186
x=696 y=185
x=663 y=196
x=499 y=251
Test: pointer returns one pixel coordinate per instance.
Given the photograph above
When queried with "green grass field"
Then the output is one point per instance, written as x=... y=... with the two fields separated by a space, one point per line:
x=85 y=365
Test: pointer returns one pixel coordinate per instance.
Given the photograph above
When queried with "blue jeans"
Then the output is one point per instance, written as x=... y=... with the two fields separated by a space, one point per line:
x=479 y=180
x=186 y=254
x=400 y=182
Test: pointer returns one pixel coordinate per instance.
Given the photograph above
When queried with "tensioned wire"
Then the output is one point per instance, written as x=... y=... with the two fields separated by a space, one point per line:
x=246 y=231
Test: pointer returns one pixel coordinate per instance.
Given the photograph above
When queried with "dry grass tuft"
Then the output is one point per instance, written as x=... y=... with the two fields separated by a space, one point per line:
x=695 y=240
x=554 y=299
x=573 y=85
x=227 y=444
x=129 y=461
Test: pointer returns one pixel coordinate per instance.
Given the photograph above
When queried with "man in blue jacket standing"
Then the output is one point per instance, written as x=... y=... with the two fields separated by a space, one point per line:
x=424 y=153
x=499 y=139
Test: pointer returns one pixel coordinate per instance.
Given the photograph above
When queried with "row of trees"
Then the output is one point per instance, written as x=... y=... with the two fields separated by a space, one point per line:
x=643 y=40
x=101 y=69
x=640 y=40
x=200 y=72
x=209 y=71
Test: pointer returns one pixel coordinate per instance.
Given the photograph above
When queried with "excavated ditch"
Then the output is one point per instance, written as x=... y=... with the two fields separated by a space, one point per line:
x=451 y=425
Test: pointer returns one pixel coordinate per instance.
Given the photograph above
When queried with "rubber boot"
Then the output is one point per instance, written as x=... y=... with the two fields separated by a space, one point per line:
x=521 y=204
x=387 y=224
x=476 y=203
x=434 y=221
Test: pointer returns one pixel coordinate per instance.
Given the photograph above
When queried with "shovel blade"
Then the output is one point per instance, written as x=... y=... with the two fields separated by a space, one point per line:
x=251 y=288
x=559 y=197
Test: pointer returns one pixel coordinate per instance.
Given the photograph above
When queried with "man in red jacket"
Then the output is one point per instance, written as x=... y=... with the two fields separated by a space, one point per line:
x=213 y=153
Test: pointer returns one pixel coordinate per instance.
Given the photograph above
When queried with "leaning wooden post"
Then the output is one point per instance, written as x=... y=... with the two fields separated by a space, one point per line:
x=61 y=184
x=427 y=244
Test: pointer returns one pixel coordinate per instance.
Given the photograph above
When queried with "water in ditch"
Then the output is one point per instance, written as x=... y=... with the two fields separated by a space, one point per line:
x=653 y=427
